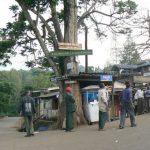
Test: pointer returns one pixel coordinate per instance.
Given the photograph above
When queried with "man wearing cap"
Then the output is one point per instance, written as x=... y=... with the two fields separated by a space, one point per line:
x=70 y=108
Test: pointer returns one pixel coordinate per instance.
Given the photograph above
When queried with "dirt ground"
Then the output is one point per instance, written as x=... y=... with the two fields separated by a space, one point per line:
x=83 y=138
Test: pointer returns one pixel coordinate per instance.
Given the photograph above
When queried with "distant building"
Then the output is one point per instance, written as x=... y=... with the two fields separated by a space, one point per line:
x=143 y=68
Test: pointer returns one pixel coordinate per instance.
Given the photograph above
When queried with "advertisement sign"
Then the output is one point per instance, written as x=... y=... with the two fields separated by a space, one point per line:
x=141 y=79
x=106 y=78
x=68 y=46
x=70 y=53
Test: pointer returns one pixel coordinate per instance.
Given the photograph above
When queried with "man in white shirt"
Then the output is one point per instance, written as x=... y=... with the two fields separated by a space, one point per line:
x=103 y=105
x=139 y=97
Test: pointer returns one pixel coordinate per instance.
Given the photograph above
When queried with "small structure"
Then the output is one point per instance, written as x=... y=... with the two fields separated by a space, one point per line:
x=89 y=84
x=90 y=103
x=47 y=102
x=115 y=106
x=49 y=105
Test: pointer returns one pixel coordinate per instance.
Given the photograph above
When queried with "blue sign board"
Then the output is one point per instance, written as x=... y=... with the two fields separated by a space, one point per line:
x=106 y=78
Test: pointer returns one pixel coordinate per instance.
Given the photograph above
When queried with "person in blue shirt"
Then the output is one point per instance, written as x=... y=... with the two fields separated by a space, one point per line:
x=127 y=106
x=147 y=97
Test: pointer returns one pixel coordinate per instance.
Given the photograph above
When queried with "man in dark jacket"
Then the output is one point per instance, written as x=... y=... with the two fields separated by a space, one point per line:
x=28 y=111
x=127 y=106
x=70 y=109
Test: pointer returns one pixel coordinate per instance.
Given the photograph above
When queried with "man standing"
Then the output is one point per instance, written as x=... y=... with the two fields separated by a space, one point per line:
x=28 y=110
x=103 y=105
x=70 y=109
x=127 y=106
x=147 y=97
x=139 y=97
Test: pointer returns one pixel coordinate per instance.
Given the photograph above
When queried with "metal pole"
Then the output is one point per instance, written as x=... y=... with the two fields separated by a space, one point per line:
x=148 y=20
x=113 y=102
x=86 y=47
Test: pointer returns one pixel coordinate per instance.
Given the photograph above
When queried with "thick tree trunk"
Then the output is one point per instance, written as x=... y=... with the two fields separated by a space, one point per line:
x=70 y=36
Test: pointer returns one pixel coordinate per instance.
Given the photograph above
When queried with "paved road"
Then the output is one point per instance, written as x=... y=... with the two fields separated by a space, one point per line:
x=84 y=137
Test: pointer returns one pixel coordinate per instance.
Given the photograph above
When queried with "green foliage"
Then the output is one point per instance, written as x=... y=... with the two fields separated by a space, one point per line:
x=9 y=36
x=5 y=47
x=127 y=6
x=41 y=79
x=61 y=15
x=18 y=27
x=91 y=69
x=5 y=51
x=19 y=30
x=130 y=55
x=21 y=33
x=5 y=93
x=4 y=102
x=54 y=2
x=14 y=84
x=14 y=9
x=10 y=91
x=98 y=69
x=30 y=3
x=39 y=4
x=108 y=68
x=81 y=68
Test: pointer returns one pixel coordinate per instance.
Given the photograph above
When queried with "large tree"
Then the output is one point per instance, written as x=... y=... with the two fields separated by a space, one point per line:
x=11 y=86
x=129 y=54
x=140 y=28
x=44 y=23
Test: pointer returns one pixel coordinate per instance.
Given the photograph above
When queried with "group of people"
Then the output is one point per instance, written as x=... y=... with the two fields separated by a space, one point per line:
x=129 y=105
x=27 y=110
x=142 y=100
x=126 y=102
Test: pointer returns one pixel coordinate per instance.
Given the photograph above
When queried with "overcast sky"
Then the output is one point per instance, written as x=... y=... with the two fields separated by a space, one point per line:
x=99 y=58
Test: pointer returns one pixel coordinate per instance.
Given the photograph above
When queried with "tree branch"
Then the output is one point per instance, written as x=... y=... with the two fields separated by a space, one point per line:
x=37 y=33
x=50 y=31
x=84 y=15
x=56 y=22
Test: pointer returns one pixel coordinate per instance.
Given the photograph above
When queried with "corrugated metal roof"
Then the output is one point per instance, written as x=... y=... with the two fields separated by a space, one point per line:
x=91 y=87
x=49 y=95
x=124 y=66
x=53 y=88
x=119 y=85
x=143 y=65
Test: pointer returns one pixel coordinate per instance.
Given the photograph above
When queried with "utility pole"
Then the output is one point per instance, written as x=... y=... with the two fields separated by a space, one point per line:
x=86 y=47
x=86 y=43
x=115 y=50
x=148 y=20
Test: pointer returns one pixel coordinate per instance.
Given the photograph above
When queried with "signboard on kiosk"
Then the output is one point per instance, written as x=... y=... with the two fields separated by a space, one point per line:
x=141 y=79
x=70 y=53
x=68 y=46
x=106 y=78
